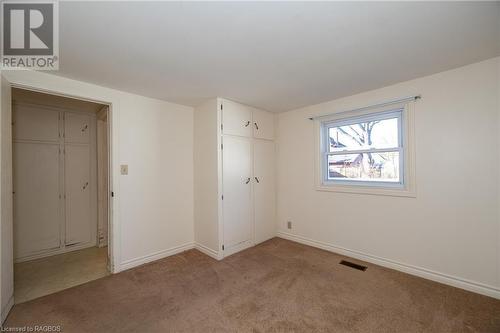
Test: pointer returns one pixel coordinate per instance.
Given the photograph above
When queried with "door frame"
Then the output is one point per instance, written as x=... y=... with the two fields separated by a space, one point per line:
x=23 y=80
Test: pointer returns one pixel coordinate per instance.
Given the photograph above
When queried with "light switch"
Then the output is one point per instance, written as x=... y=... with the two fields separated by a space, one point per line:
x=124 y=169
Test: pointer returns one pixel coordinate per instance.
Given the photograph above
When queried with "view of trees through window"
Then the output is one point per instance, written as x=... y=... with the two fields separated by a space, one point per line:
x=367 y=150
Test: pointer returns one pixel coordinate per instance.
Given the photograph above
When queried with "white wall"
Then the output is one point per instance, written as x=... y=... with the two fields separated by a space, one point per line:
x=206 y=214
x=156 y=204
x=450 y=231
x=6 y=228
x=152 y=211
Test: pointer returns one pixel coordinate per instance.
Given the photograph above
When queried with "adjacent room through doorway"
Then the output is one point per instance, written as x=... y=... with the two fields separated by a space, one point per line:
x=60 y=182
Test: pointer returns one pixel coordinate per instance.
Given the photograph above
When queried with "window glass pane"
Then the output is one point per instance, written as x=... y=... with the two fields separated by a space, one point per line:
x=364 y=135
x=366 y=166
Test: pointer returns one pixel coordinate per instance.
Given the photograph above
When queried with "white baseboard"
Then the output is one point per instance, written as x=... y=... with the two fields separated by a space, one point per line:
x=454 y=281
x=209 y=252
x=8 y=307
x=155 y=256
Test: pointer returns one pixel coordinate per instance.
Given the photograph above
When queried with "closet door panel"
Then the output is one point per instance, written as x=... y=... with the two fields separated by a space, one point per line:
x=37 y=203
x=76 y=128
x=79 y=219
x=236 y=119
x=264 y=190
x=263 y=124
x=237 y=190
x=35 y=123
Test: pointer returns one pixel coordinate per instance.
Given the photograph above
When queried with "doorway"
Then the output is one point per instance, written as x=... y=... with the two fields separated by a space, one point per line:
x=60 y=192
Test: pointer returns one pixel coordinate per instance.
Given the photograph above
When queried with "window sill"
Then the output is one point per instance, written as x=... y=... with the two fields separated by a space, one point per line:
x=370 y=190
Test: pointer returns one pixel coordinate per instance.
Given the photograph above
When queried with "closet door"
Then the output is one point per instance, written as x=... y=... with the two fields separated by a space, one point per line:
x=263 y=125
x=36 y=181
x=36 y=204
x=78 y=194
x=237 y=191
x=236 y=119
x=264 y=190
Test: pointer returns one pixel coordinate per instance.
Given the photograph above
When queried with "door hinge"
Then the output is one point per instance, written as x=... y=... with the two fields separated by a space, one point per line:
x=221 y=127
x=222 y=247
x=112 y=194
x=221 y=146
x=221 y=106
x=223 y=197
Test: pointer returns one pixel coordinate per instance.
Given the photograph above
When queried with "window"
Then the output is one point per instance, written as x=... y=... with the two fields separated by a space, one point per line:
x=366 y=151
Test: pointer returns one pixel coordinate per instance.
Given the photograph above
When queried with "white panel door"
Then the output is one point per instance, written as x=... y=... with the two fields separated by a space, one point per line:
x=78 y=210
x=264 y=190
x=35 y=123
x=76 y=128
x=36 y=204
x=263 y=124
x=236 y=119
x=237 y=191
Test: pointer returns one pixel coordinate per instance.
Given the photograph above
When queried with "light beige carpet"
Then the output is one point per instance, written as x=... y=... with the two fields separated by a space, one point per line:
x=40 y=277
x=277 y=286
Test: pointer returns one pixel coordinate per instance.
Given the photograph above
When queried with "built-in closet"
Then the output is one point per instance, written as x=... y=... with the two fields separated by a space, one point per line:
x=234 y=144
x=55 y=183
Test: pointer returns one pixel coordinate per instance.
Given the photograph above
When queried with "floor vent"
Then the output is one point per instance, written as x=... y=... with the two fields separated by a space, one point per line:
x=353 y=265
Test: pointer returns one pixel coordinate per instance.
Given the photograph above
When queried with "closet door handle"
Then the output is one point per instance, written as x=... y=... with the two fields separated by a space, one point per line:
x=256 y=126
x=257 y=180
x=85 y=128
x=85 y=186
x=248 y=123
x=248 y=180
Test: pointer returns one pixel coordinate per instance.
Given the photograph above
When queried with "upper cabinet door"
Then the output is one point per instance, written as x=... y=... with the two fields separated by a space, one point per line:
x=35 y=123
x=263 y=124
x=77 y=128
x=236 y=119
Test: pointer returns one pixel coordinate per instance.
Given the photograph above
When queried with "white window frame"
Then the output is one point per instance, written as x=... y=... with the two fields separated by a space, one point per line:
x=406 y=184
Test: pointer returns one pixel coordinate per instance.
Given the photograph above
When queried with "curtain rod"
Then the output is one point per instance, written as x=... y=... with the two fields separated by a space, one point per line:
x=400 y=100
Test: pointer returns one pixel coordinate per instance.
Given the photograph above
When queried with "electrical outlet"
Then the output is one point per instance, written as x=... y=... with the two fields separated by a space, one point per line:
x=289 y=224
x=124 y=169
